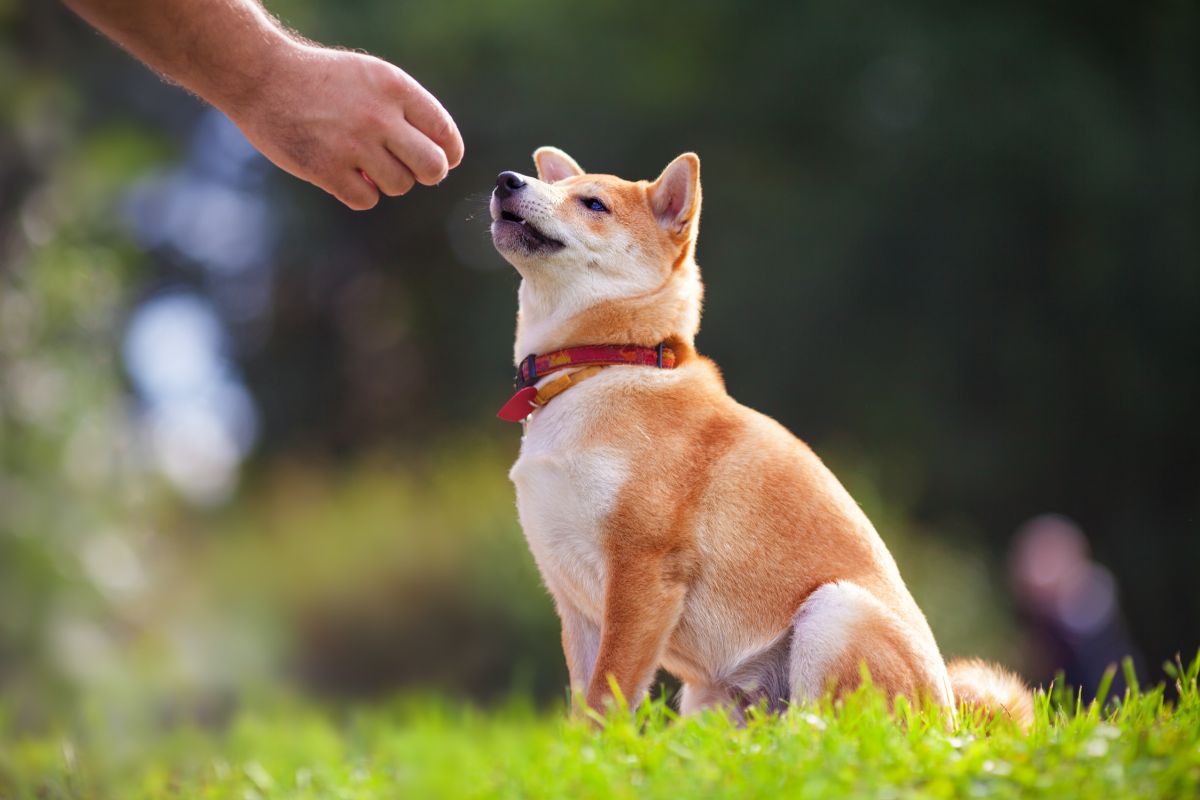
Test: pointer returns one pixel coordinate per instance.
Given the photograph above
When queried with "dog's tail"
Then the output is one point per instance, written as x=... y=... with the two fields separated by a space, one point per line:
x=980 y=686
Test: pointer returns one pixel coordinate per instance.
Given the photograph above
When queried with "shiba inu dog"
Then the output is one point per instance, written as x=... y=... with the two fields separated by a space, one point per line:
x=673 y=526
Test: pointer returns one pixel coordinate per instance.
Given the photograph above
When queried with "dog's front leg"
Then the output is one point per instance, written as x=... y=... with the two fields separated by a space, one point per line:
x=643 y=598
x=581 y=643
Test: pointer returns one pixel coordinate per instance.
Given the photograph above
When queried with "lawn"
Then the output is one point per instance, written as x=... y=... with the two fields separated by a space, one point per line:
x=1140 y=745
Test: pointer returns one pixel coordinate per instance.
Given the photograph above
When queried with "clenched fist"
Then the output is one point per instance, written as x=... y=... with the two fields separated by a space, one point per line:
x=350 y=123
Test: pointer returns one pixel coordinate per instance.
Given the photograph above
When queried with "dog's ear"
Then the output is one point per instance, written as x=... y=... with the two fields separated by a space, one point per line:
x=553 y=165
x=675 y=196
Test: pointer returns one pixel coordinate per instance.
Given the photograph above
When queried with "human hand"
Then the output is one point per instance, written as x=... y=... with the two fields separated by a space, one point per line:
x=349 y=123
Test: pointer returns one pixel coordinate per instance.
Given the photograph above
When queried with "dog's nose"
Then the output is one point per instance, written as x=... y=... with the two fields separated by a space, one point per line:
x=506 y=183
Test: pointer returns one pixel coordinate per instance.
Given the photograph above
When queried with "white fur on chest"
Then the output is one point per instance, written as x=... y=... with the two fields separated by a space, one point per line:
x=566 y=489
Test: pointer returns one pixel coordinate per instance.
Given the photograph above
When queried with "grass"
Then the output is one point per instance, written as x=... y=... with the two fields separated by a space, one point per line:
x=1142 y=745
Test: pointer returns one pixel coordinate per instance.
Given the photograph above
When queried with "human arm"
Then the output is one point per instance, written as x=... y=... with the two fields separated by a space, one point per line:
x=321 y=114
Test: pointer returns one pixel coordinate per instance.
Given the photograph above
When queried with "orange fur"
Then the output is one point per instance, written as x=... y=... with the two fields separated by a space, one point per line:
x=674 y=526
x=979 y=686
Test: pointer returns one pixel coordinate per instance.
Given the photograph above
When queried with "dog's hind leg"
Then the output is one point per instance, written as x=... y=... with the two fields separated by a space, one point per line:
x=840 y=628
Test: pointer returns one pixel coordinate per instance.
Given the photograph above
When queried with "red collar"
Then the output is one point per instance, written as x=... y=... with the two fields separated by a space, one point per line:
x=535 y=367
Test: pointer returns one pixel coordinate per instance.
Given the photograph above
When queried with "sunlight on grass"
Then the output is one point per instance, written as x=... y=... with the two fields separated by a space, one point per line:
x=1143 y=744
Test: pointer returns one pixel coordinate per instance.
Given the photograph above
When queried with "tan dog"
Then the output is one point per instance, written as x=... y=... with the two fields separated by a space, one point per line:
x=672 y=525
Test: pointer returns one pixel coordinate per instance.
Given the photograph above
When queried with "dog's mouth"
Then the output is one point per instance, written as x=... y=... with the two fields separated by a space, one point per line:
x=532 y=236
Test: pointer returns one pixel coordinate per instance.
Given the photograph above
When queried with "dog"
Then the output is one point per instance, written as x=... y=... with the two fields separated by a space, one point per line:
x=673 y=526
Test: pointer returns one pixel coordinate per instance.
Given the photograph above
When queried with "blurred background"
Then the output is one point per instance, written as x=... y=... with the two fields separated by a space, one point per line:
x=247 y=436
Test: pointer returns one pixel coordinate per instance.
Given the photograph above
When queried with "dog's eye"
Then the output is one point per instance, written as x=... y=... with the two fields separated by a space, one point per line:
x=593 y=204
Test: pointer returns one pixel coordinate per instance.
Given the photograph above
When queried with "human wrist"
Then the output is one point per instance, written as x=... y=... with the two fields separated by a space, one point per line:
x=259 y=70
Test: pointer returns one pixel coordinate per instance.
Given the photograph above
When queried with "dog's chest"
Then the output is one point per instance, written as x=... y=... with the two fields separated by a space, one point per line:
x=566 y=490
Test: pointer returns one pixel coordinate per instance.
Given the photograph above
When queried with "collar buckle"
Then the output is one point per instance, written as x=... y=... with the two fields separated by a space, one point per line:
x=526 y=372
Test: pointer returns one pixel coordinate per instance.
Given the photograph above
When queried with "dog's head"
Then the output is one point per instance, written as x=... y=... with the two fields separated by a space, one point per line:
x=603 y=259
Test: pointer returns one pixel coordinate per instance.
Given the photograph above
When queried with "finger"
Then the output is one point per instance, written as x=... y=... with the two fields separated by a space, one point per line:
x=431 y=118
x=391 y=176
x=355 y=192
x=415 y=150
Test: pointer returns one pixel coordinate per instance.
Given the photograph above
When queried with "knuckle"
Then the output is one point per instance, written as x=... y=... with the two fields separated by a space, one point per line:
x=360 y=200
x=399 y=183
x=403 y=183
x=443 y=128
x=383 y=73
x=395 y=82
x=431 y=165
x=432 y=171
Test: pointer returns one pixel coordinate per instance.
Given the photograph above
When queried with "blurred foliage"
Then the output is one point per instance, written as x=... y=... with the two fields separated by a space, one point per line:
x=415 y=575
x=955 y=250
x=72 y=490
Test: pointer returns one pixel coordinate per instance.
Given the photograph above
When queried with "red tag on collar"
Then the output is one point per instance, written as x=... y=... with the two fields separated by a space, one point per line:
x=519 y=406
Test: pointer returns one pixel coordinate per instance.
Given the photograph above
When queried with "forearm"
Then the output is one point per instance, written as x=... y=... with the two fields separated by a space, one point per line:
x=348 y=122
x=222 y=50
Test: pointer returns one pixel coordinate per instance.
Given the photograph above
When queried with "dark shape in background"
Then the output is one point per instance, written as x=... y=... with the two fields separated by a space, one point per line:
x=1071 y=606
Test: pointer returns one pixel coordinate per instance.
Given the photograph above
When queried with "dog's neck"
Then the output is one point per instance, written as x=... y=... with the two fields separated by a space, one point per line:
x=554 y=317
